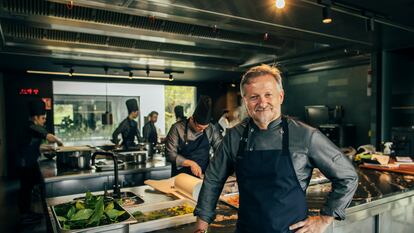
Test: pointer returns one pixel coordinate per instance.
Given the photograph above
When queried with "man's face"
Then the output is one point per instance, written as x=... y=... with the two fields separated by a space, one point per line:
x=154 y=118
x=263 y=99
x=39 y=120
x=197 y=127
x=134 y=114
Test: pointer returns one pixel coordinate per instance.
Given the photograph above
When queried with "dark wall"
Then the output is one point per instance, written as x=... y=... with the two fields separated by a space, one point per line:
x=401 y=70
x=17 y=112
x=346 y=87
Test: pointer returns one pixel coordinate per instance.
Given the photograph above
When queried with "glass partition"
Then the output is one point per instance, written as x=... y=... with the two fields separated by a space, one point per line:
x=79 y=118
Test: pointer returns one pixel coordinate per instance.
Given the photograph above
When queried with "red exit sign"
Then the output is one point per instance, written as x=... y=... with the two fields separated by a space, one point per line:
x=29 y=91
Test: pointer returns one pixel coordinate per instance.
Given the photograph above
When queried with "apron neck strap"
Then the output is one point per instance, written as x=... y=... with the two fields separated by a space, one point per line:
x=285 y=136
x=185 y=131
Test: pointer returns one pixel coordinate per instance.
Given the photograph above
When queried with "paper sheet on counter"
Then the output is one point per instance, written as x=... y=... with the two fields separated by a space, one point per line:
x=180 y=185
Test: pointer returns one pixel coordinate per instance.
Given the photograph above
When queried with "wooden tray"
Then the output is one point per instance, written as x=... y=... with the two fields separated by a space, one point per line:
x=403 y=169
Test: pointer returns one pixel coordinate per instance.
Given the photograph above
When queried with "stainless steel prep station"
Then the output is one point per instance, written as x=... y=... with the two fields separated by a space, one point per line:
x=61 y=183
x=384 y=202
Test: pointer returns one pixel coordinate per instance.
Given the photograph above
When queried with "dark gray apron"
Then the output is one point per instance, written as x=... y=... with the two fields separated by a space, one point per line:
x=271 y=198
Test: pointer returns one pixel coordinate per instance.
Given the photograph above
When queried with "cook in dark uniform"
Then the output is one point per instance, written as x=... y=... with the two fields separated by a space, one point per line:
x=179 y=113
x=128 y=128
x=188 y=142
x=29 y=152
x=273 y=157
x=149 y=131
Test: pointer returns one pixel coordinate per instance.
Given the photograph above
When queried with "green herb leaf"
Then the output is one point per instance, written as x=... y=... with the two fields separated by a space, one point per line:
x=61 y=218
x=79 y=205
x=82 y=215
x=110 y=206
x=99 y=211
x=113 y=214
x=71 y=212
x=66 y=226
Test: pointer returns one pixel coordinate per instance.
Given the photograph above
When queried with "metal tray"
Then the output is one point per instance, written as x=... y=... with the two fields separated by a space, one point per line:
x=121 y=227
x=164 y=222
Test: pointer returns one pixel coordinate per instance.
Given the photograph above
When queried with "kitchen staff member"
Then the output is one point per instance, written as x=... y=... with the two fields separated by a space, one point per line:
x=149 y=131
x=188 y=142
x=128 y=128
x=273 y=157
x=179 y=113
x=29 y=152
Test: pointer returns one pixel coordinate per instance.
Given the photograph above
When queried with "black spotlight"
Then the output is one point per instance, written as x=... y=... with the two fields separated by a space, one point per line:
x=131 y=75
x=71 y=72
x=326 y=15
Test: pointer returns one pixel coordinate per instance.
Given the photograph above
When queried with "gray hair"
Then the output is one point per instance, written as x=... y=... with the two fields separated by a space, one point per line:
x=261 y=70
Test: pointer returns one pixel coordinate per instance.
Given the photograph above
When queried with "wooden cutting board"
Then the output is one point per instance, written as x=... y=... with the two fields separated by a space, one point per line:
x=403 y=169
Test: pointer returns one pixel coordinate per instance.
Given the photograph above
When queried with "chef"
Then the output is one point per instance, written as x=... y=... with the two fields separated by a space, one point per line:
x=29 y=152
x=189 y=141
x=149 y=131
x=128 y=128
x=179 y=113
x=273 y=157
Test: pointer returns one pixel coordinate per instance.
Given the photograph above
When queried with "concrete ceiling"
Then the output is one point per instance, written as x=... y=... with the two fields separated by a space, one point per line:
x=211 y=40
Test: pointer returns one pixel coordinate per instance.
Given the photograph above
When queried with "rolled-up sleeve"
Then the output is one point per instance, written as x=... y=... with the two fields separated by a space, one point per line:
x=338 y=169
x=219 y=169
x=172 y=144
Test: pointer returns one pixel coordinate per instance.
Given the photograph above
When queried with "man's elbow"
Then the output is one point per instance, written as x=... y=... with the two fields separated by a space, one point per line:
x=171 y=158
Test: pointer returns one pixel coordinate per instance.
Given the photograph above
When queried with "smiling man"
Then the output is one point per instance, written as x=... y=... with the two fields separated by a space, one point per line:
x=273 y=157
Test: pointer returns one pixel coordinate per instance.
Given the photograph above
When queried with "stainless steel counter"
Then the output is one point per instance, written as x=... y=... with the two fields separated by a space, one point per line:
x=384 y=202
x=61 y=183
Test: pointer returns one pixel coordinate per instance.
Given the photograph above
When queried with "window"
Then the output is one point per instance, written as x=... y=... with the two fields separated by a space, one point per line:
x=79 y=118
x=78 y=108
x=178 y=95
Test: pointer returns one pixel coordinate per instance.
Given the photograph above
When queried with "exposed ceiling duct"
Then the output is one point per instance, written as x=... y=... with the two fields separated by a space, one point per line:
x=201 y=37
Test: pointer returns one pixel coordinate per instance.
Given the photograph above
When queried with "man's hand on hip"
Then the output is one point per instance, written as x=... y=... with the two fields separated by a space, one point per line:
x=313 y=224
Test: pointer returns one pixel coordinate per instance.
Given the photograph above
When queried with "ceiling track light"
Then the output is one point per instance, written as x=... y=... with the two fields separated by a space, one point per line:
x=170 y=78
x=326 y=15
x=71 y=70
x=130 y=75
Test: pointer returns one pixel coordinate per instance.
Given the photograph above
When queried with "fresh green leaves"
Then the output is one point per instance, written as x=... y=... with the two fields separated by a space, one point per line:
x=109 y=207
x=79 y=205
x=113 y=214
x=82 y=215
x=98 y=213
x=71 y=212
x=61 y=219
x=90 y=212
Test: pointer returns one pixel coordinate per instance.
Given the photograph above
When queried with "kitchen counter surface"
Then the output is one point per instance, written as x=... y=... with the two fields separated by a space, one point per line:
x=375 y=189
x=51 y=173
